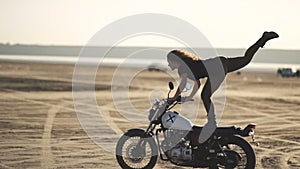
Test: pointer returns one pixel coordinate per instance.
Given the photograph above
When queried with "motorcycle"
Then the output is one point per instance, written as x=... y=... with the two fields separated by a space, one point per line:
x=225 y=148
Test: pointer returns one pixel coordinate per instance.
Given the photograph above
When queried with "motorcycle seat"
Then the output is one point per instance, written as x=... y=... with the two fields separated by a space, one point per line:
x=218 y=128
x=222 y=130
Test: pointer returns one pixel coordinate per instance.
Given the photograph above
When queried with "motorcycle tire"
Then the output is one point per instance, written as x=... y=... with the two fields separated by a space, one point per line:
x=240 y=148
x=131 y=161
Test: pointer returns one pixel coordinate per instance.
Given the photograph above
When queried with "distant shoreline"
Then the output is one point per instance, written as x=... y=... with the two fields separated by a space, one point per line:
x=128 y=62
x=266 y=60
x=61 y=50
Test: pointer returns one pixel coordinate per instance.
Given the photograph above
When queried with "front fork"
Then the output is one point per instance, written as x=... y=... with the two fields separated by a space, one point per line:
x=159 y=147
x=141 y=145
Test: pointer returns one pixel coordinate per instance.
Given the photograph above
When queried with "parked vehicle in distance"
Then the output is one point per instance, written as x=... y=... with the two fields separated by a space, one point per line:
x=288 y=72
x=297 y=74
x=157 y=67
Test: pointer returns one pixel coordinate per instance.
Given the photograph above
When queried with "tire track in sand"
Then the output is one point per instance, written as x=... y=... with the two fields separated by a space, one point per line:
x=47 y=160
x=276 y=152
x=47 y=157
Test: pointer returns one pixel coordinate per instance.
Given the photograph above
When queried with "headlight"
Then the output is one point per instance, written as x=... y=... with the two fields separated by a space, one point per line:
x=151 y=114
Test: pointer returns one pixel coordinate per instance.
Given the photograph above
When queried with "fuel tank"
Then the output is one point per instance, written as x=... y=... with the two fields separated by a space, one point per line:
x=173 y=120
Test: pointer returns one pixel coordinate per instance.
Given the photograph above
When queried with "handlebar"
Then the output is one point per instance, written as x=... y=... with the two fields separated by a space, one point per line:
x=184 y=99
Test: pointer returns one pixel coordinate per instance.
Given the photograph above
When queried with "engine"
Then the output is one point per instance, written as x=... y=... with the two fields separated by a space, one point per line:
x=175 y=146
x=180 y=153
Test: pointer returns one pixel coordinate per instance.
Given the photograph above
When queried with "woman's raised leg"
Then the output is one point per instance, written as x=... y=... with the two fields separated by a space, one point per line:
x=236 y=63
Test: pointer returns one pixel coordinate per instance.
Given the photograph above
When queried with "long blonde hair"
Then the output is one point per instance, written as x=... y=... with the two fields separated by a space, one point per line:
x=183 y=55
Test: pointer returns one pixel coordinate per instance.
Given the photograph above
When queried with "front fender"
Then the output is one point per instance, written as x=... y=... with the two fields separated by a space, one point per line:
x=137 y=132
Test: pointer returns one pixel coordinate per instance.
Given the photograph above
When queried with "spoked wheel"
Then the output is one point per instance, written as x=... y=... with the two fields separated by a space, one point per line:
x=239 y=154
x=135 y=151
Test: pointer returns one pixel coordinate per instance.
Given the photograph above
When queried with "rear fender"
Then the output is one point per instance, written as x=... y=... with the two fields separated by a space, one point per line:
x=228 y=131
x=248 y=130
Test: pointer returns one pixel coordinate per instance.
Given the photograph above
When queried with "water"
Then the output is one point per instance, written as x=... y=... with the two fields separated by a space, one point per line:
x=265 y=60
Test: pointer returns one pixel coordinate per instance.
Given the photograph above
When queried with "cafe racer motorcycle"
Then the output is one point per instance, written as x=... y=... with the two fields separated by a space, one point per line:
x=172 y=137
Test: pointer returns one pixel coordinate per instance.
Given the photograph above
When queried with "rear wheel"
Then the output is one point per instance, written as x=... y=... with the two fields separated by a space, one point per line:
x=135 y=151
x=239 y=154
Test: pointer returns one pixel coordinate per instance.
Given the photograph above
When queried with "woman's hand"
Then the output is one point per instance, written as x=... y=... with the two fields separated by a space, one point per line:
x=175 y=98
x=188 y=98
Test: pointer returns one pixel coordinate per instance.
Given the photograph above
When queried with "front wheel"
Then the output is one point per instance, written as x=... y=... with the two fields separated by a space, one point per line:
x=135 y=150
x=239 y=154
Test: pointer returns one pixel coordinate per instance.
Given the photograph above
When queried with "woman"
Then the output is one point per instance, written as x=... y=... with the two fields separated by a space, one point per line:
x=191 y=67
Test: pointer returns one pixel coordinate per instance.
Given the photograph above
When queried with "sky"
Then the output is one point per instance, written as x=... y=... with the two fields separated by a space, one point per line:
x=226 y=24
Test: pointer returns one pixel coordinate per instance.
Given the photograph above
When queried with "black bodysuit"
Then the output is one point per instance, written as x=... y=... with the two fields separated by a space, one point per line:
x=202 y=68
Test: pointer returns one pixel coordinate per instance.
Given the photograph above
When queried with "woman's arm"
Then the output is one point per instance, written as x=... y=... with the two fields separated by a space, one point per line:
x=181 y=86
x=196 y=87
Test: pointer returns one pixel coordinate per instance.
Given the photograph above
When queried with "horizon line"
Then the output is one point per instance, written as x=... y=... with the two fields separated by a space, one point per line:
x=142 y=46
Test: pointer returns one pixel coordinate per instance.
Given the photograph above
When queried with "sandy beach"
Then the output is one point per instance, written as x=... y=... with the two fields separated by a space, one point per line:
x=39 y=127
